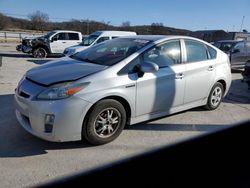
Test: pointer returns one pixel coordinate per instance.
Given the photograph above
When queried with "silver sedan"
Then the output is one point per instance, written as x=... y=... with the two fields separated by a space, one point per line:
x=93 y=94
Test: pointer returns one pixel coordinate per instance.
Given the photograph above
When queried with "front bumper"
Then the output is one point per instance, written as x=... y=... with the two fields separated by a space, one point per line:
x=69 y=114
x=23 y=48
x=19 y=47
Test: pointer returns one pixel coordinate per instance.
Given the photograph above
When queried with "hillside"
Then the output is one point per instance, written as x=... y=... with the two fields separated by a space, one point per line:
x=85 y=26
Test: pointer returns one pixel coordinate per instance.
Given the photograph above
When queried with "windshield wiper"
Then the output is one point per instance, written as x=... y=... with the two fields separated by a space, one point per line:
x=90 y=61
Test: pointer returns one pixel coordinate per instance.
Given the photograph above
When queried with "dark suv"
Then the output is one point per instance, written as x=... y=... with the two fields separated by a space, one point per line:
x=225 y=45
x=238 y=51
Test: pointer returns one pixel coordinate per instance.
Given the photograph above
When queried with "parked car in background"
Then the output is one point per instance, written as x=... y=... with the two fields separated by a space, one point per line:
x=225 y=45
x=240 y=53
x=53 y=42
x=246 y=74
x=95 y=38
x=93 y=94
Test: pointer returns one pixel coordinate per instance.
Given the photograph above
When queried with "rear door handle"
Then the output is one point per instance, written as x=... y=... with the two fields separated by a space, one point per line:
x=63 y=42
x=179 y=76
x=210 y=68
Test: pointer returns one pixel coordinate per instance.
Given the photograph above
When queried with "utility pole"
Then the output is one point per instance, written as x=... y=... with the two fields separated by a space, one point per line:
x=242 y=23
x=87 y=26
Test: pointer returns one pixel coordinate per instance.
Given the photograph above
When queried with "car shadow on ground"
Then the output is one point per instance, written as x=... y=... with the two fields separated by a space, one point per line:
x=16 y=142
x=25 y=55
x=39 y=61
x=177 y=127
x=15 y=55
x=238 y=93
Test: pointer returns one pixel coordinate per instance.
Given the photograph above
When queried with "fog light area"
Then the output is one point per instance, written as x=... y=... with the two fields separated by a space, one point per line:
x=49 y=121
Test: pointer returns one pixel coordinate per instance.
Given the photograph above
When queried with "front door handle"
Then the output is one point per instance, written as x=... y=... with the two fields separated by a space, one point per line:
x=179 y=76
x=210 y=68
x=63 y=42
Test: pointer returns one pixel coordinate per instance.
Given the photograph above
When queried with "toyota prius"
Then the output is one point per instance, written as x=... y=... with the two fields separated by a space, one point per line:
x=93 y=94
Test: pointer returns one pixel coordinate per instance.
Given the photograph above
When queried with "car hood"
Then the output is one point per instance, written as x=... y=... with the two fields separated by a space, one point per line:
x=62 y=70
x=78 y=48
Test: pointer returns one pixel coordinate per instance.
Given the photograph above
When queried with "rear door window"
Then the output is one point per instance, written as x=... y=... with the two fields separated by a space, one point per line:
x=196 y=51
x=212 y=52
x=73 y=36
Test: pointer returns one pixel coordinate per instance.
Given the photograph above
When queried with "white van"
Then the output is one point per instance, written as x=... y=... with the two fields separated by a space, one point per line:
x=95 y=38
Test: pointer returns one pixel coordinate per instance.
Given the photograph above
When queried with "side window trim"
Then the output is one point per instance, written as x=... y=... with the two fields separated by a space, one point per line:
x=66 y=36
x=183 y=51
x=208 y=54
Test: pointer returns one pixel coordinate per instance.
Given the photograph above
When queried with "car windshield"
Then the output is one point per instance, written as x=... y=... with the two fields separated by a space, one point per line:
x=89 y=40
x=111 y=52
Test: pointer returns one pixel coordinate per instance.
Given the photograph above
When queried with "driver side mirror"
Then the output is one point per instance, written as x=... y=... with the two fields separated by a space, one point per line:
x=53 y=39
x=147 y=67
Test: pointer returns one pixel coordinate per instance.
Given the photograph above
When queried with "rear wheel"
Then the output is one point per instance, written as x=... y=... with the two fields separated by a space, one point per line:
x=105 y=122
x=39 y=53
x=215 y=96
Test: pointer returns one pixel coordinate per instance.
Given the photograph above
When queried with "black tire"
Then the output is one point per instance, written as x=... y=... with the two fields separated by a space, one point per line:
x=104 y=122
x=215 y=96
x=39 y=52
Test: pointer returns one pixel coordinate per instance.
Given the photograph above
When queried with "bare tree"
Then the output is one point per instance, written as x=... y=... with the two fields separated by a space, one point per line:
x=38 y=20
x=4 y=21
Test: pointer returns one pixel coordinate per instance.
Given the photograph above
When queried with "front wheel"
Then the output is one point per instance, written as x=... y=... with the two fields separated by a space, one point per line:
x=105 y=122
x=215 y=97
x=39 y=53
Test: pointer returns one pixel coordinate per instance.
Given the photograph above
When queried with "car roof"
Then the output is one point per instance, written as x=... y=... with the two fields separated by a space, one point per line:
x=229 y=41
x=160 y=37
x=67 y=31
x=113 y=32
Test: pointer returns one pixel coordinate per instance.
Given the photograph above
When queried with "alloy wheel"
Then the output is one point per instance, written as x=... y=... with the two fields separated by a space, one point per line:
x=216 y=96
x=107 y=122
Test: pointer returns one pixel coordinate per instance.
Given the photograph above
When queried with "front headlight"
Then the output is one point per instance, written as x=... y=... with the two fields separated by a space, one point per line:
x=61 y=91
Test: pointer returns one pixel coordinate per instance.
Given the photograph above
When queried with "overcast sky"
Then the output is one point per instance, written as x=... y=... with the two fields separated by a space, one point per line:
x=189 y=14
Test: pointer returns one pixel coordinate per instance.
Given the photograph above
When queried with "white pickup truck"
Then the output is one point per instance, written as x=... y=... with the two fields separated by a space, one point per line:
x=95 y=38
x=53 y=42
